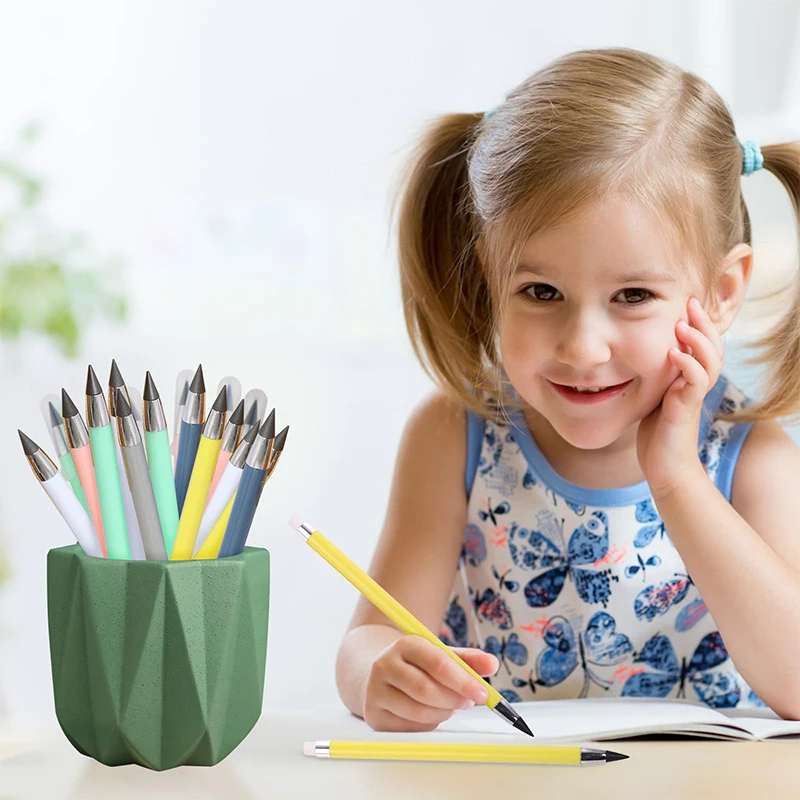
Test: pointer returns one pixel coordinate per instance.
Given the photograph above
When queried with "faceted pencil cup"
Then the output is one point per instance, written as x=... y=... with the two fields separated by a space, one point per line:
x=157 y=663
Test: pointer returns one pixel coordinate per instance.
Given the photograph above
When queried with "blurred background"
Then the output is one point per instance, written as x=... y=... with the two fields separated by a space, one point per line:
x=189 y=182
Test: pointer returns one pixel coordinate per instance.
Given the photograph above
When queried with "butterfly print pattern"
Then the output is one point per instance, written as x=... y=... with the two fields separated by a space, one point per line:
x=580 y=592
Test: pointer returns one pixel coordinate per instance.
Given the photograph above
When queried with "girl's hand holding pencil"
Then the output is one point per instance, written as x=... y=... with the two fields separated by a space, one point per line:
x=120 y=453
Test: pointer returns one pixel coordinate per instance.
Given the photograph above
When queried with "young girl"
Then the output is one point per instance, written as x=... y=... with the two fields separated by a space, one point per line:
x=587 y=507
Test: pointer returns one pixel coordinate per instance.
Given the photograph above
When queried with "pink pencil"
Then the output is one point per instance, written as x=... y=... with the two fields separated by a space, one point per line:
x=78 y=440
x=230 y=441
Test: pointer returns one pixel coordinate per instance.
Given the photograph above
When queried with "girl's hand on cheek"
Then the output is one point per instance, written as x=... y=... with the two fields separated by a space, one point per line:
x=667 y=438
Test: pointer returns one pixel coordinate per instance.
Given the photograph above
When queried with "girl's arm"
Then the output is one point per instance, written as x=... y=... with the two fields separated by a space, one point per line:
x=744 y=558
x=415 y=561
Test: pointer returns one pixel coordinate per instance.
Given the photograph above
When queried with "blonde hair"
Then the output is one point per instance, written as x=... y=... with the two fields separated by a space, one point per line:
x=590 y=124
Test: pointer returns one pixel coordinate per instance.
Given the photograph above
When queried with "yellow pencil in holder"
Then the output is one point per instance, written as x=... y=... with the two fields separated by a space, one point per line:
x=210 y=547
x=202 y=474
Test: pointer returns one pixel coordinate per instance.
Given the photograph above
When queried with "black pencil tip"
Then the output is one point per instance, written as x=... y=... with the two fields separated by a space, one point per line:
x=280 y=441
x=612 y=756
x=251 y=417
x=268 y=428
x=150 y=391
x=55 y=416
x=92 y=384
x=122 y=405
x=250 y=436
x=520 y=725
x=237 y=418
x=221 y=403
x=28 y=445
x=115 y=378
x=68 y=408
x=198 y=385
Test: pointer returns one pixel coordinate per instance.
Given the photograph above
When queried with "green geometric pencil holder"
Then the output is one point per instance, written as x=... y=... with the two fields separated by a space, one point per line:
x=157 y=663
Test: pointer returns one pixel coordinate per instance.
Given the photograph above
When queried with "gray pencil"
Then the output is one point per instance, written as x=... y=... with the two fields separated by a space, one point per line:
x=135 y=461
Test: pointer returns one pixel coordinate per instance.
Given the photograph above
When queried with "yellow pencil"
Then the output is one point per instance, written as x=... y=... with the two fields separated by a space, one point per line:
x=210 y=547
x=205 y=463
x=487 y=753
x=404 y=620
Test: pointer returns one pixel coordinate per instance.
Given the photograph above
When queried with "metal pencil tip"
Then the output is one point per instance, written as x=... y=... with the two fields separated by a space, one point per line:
x=250 y=436
x=237 y=418
x=55 y=417
x=268 y=428
x=150 y=391
x=221 y=403
x=123 y=407
x=115 y=378
x=251 y=418
x=280 y=440
x=68 y=408
x=29 y=447
x=521 y=725
x=92 y=384
x=612 y=756
x=198 y=385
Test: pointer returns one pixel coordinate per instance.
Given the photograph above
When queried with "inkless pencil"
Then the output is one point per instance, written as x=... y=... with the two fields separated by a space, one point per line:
x=182 y=382
x=202 y=473
x=115 y=382
x=218 y=510
x=191 y=429
x=104 y=456
x=64 y=499
x=255 y=407
x=78 y=441
x=135 y=462
x=476 y=753
x=277 y=449
x=230 y=441
x=58 y=435
x=397 y=614
x=248 y=494
x=159 y=462
x=233 y=390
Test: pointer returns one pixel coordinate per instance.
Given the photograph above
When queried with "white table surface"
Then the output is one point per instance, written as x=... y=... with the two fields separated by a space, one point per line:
x=270 y=764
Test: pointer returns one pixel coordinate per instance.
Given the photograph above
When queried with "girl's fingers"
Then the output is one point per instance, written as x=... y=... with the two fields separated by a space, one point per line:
x=699 y=319
x=702 y=349
x=405 y=707
x=409 y=679
x=383 y=720
x=693 y=372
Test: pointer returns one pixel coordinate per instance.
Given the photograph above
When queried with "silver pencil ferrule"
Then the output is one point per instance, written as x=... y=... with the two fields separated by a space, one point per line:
x=305 y=531
x=128 y=431
x=214 y=424
x=230 y=437
x=154 y=419
x=239 y=457
x=194 y=408
x=273 y=461
x=43 y=468
x=322 y=749
x=503 y=709
x=258 y=452
x=77 y=433
x=590 y=756
x=96 y=411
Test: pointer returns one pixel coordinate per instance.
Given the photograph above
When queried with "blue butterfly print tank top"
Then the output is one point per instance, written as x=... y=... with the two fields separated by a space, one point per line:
x=580 y=592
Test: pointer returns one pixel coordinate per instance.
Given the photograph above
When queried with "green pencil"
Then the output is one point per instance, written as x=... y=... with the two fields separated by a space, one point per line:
x=59 y=437
x=159 y=460
x=104 y=455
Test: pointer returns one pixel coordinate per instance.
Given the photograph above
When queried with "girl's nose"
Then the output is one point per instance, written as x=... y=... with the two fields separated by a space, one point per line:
x=583 y=343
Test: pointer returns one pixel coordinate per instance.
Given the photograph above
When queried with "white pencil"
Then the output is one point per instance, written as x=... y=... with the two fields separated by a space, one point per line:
x=64 y=499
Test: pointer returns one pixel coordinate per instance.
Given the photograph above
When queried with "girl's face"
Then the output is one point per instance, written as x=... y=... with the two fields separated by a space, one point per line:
x=594 y=303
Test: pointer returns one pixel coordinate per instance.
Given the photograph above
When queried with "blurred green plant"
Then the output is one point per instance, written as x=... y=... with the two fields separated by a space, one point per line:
x=48 y=283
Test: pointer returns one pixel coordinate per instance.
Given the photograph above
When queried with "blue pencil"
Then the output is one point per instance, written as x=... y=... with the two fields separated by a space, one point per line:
x=256 y=471
x=191 y=429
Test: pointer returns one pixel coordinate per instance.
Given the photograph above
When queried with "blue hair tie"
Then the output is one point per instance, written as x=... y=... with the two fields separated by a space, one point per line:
x=490 y=113
x=752 y=159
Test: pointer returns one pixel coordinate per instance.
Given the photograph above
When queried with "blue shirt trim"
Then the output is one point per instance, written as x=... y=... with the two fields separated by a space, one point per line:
x=621 y=496
x=729 y=456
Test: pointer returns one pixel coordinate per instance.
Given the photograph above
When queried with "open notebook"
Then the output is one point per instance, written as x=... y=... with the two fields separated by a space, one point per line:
x=624 y=717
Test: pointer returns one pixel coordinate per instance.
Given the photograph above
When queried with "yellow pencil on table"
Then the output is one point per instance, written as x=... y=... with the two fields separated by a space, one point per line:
x=485 y=753
x=205 y=463
x=404 y=620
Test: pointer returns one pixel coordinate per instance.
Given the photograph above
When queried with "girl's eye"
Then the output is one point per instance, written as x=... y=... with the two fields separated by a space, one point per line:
x=542 y=292
x=635 y=297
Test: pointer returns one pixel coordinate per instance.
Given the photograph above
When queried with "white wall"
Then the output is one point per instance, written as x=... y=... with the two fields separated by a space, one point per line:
x=238 y=155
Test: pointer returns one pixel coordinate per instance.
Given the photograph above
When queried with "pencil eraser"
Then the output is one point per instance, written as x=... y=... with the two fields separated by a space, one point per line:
x=296 y=521
x=308 y=748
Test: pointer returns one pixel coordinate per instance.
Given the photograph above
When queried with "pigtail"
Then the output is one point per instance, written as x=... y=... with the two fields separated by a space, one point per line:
x=446 y=299
x=780 y=347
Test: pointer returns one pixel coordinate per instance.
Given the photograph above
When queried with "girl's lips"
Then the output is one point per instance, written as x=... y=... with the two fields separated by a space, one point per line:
x=589 y=398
